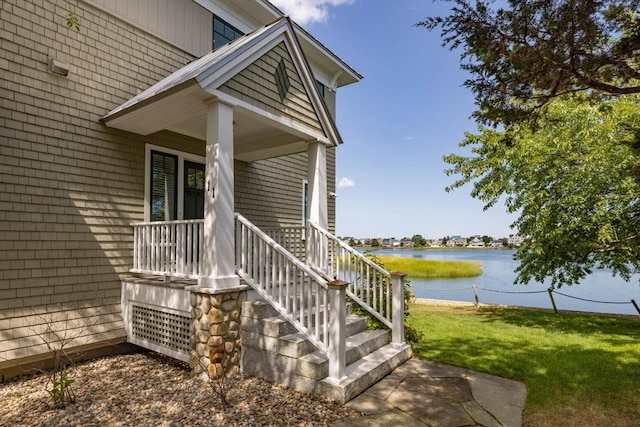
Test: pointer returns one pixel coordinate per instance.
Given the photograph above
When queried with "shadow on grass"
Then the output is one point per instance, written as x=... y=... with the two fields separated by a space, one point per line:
x=561 y=358
x=613 y=325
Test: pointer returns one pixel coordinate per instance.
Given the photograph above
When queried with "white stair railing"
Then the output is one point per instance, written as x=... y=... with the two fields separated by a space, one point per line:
x=298 y=293
x=369 y=284
x=168 y=248
x=292 y=238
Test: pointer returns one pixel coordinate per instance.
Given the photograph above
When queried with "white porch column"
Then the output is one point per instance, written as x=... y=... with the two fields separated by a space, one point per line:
x=318 y=184
x=317 y=204
x=397 y=309
x=218 y=270
x=337 y=330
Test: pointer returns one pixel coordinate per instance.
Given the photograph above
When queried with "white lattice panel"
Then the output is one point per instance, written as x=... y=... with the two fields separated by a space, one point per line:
x=161 y=331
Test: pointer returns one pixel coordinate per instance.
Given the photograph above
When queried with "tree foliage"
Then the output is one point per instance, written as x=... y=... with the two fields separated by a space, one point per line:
x=574 y=180
x=418 y=240
x=525 y=54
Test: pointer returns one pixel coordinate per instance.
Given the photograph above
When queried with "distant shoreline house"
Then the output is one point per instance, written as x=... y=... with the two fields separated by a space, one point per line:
x=476 y=242
x=515 y=240
x=164 y=181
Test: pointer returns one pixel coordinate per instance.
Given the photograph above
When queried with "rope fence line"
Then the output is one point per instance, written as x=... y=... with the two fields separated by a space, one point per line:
x=443 y=290
x=513 y=292
x=550 y=291
x=592 y=300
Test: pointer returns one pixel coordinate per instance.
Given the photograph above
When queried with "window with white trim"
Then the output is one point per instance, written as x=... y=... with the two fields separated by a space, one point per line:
x=223 y=32
x=164 y=187
x=172 y=179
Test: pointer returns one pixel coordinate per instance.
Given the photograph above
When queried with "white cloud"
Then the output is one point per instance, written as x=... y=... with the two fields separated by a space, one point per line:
x=308 y=11
x=346 y=183
x=408 y=138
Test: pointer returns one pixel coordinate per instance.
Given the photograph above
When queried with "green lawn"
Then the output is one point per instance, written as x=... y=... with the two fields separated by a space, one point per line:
x=581 y=370
x=428 y=268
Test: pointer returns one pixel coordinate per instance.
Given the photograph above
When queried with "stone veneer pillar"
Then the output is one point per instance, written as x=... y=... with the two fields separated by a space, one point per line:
x=215 y=331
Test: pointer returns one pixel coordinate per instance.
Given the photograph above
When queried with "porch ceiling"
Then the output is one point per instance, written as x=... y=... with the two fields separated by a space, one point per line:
x=185 y=112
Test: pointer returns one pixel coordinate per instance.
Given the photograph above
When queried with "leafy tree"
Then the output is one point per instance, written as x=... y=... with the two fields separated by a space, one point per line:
x=375 y=243
x=445 y=239
x=418 y=240
x=487 y=240
x=574 y=180
x=522 y=56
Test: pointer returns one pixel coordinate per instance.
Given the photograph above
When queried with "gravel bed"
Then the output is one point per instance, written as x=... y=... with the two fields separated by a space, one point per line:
x=147 y=389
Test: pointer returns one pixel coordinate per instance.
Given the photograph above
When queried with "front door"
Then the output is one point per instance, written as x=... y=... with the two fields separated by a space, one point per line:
x=193 y=190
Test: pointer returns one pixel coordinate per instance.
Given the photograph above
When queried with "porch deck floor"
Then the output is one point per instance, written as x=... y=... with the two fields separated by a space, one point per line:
x=148 y=279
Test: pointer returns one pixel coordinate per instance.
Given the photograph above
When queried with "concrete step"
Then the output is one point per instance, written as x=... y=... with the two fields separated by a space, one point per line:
x=365 y=372
x=274 y=350
x=259 y=309
x=278 y=326
x=267 y=320
x=316 y=365
x=277 y=335
x=287 y=293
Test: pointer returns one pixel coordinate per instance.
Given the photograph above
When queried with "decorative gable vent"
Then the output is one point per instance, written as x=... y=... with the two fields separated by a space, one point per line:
x=282 y=80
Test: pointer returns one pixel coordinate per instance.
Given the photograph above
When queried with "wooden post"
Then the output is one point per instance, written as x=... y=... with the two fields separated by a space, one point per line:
x=475 y=294
x=553 y=303
x=397 y=309
x=337 y=330
x=635 y=305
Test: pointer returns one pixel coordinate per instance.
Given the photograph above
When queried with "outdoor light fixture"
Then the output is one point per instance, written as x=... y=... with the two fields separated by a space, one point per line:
x=58 y=67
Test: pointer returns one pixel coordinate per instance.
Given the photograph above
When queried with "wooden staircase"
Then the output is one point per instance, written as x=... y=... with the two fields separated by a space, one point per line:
x=274 y=350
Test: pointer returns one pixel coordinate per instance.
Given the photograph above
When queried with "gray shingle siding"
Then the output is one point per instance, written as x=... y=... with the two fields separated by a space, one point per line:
x=70 y=187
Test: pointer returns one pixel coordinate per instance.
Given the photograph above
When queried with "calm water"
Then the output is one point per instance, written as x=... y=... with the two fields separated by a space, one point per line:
x=498 y=275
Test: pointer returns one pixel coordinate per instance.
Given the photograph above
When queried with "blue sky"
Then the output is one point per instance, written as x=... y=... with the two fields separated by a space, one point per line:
x=397 y=123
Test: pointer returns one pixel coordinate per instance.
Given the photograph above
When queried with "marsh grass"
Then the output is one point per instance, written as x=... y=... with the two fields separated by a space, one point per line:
x=580 y=369
x=428 y=268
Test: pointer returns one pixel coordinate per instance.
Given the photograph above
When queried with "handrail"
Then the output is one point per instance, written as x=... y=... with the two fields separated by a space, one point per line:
x=178 y=221
x=369 y=284
x=297 y=292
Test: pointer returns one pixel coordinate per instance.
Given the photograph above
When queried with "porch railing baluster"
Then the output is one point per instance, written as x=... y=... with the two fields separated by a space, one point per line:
x=369 y=284
x=296 y=291
x=168 y=248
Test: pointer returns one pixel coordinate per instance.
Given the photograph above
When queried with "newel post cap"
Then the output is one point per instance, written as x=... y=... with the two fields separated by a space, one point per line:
x=338 y=283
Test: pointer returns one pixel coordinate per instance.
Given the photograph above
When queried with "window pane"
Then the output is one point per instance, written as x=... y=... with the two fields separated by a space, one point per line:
x=199 y=180
x=223 y=33
x=164 y=183
x=218 y=26
x=195 y=179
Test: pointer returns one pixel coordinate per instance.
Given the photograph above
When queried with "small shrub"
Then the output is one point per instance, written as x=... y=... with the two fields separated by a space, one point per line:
x=58 y=331
x=61 y=392
x=221 y=383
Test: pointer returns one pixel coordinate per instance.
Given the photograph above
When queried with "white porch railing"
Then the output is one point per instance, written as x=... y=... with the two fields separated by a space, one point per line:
x=297 y=292
x=171 y=248
x=292 y=238
x=369 y=284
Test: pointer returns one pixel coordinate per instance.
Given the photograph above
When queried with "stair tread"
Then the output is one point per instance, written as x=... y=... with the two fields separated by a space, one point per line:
x=352 y=342
x=365 y=365
x=381 y=355
x=294 y=336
